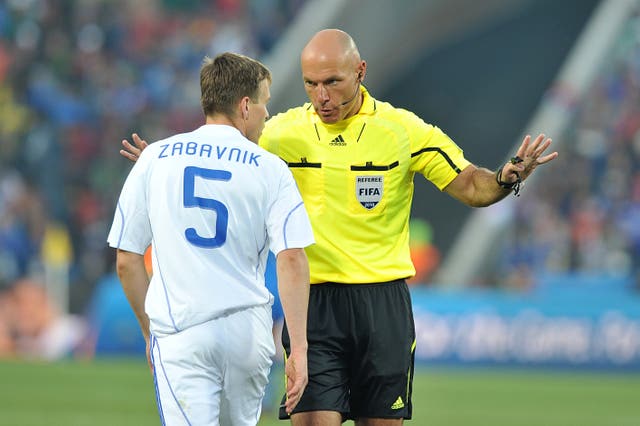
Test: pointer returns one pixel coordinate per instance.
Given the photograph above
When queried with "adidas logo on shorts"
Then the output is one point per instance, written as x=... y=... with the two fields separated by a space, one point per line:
x=398 y=404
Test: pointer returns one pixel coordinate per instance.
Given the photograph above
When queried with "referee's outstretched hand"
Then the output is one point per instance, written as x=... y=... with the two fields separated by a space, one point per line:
x=529 y=156
x=132 y=152
x=297 y=379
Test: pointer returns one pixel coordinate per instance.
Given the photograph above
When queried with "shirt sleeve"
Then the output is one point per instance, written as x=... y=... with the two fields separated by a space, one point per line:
x=288 y=224
x=434 y=154
x=131 y=228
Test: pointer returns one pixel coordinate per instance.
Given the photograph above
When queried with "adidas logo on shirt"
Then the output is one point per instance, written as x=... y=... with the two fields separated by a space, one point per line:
x=398 y=404
x=338 y=141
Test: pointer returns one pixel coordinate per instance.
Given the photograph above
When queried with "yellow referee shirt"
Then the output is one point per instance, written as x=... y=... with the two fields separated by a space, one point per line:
x=356 y=179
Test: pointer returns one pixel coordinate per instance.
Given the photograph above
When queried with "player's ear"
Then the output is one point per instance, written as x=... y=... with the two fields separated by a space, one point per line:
x=244 y=107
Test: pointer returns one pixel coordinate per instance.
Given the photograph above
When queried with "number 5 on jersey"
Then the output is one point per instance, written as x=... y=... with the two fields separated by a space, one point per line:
x=190 y=200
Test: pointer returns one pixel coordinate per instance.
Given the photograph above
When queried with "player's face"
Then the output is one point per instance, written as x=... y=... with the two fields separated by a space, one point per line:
x=332 y=88
x=258 y=113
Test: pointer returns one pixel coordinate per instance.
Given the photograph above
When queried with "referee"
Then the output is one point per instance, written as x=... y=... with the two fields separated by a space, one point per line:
x=354 y=159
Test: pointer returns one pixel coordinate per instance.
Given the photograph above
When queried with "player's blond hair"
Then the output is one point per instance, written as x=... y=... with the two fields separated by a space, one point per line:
x=226 y=79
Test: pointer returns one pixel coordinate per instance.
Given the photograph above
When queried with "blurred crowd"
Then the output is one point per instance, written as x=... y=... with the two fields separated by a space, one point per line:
x=33 y=326
x=583 y=215
x=76 y=77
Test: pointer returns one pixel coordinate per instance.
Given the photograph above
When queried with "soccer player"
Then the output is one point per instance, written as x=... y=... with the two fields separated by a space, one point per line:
x=354 y=159
x=214 y=203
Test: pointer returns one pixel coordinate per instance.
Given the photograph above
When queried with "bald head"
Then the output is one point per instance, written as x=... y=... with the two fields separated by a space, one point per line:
x=331 y=45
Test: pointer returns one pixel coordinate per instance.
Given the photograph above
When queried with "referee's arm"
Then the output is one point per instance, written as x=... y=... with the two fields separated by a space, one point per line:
x=476 y=187
x=480 y=187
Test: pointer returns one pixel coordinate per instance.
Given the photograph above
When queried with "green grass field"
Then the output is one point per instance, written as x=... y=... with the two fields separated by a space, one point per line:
x=120 y=392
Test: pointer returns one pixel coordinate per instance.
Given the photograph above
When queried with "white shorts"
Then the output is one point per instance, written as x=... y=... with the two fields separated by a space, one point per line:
x=215 y=372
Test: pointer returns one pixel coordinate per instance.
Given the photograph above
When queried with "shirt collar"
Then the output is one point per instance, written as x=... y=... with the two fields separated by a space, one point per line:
x=368 y=106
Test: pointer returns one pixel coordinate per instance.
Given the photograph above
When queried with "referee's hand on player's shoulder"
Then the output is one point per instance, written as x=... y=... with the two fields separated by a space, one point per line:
x=132 y=151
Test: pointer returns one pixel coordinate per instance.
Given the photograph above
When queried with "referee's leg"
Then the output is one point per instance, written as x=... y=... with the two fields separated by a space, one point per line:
x=382 y=382
x=316 y=418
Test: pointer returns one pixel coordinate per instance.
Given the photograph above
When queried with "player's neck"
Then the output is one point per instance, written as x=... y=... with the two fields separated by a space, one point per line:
x=225 y=120
x=220 y=119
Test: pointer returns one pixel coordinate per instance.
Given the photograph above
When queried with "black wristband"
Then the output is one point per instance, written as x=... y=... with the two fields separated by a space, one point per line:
x=515 y=186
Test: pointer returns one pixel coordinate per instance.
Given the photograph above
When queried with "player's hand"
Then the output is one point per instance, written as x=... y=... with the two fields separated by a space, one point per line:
x=132 y=152
x=297 y=379
x=529 y=156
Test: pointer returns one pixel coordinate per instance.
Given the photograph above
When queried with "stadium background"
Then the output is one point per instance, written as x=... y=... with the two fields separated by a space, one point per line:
x=531 y=296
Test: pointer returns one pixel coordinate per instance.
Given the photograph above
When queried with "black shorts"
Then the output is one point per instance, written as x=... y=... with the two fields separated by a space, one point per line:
x=361 y=350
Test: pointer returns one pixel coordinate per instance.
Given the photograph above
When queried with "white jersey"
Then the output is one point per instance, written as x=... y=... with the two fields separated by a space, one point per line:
x=213 y=204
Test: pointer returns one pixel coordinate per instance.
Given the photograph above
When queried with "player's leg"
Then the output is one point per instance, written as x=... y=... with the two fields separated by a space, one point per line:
x=188 y=384
x=384 y=356
x=326 y=398
x=250 y=348
x=275 y=386
x=316 y=418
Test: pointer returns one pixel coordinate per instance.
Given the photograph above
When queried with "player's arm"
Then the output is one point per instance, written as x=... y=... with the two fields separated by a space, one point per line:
x=135 y=283
x=480 y=187
x=133 y=151
x=293 y=287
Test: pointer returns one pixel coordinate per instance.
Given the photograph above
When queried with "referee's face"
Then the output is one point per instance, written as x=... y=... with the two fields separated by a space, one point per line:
x=333 y=87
